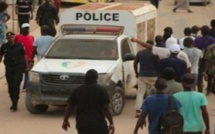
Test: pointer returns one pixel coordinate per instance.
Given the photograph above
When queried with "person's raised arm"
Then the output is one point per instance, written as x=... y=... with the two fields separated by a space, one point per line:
x=143 y=44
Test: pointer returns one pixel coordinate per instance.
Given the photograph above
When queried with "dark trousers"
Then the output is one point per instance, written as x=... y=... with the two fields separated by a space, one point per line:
x=210 y=85
x=52 y=30
x=200 y=78
x=93 y=131
x=24 y=19
x=14 y=79
x=192 y=133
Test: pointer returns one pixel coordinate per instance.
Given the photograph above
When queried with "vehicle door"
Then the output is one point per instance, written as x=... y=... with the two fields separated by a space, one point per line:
x=127 y=68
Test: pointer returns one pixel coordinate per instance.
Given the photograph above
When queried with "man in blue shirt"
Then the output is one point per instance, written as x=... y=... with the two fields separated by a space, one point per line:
x=42 y=43
x=153 y=107
x=147 y=75
x=172 y=61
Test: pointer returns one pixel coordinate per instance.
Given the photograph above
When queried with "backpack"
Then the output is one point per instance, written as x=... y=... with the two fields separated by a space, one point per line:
x=171 y=122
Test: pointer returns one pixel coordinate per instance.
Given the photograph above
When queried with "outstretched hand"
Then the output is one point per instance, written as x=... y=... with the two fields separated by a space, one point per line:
x=133 y=39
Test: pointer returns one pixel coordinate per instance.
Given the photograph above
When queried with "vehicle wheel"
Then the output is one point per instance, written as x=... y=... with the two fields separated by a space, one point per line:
x=34 y=109
x=117 y=101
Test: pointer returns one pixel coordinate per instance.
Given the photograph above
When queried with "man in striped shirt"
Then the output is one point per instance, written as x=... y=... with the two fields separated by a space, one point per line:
x=24 y=11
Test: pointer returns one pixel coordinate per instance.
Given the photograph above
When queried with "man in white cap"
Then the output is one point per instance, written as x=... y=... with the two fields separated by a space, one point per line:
x=164 y=52
x=174 y=62
x=27 y=41
x=170 y=41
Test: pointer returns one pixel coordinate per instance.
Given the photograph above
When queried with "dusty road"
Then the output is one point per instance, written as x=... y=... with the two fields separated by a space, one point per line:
x=22 y=122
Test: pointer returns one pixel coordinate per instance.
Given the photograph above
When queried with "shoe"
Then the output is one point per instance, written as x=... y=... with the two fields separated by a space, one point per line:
x=189 y=11
x=174 y=10
x=138 y=113
x=13 y=108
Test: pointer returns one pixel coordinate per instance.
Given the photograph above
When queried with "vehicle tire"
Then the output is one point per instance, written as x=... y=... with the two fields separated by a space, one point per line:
x=34 y=109
x=117 y=101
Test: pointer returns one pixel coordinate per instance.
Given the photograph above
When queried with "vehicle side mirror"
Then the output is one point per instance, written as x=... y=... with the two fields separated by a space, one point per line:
x=128 y=57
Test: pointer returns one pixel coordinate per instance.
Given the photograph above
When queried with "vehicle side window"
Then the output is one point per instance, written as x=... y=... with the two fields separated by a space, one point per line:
x=125 y=48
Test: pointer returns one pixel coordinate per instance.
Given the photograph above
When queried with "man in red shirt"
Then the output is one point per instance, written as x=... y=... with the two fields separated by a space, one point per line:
x=27 y=41
x=57 y=4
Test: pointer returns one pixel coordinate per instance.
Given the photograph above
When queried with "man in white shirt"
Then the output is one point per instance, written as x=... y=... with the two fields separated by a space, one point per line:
x=187 y=33
x=164 y=52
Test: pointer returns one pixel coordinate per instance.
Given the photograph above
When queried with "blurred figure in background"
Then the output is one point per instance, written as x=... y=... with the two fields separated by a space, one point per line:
x=212 y=30
x=4 y=17
x=159 y=41
x=47 y=15
x=194 y=31
x=183 y=4
x=24 y=11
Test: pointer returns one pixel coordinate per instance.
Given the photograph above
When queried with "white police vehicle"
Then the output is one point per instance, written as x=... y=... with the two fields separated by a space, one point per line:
x=78 y=49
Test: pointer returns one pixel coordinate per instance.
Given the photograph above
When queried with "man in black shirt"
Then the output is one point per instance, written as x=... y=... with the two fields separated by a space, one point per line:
x=47 y=15
x=14 y=60
x=24 y=11
x=92 y=102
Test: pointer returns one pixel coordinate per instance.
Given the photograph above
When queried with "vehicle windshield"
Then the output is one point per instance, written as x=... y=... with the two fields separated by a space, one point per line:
x=83 y=49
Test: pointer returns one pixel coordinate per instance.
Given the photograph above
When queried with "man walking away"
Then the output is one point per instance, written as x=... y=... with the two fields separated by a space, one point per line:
x=194 y=54
x=47 y=15
x=27 y=41
x=24 y=11
x=153 y=107
x=194 y=31
x=193 y=107
x=92 y=106
x=42 y=43
x=202 y=42
x=212 y=30
x=164 y=52
x=187 y=33
x=172 y=86
x=146 y=75
x=209 y=72
x=14 y=59
x=174 y=62
x=159 y=41
x=183 y=4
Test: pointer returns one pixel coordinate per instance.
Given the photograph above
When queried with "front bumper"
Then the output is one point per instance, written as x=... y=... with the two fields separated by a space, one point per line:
x=50 y=94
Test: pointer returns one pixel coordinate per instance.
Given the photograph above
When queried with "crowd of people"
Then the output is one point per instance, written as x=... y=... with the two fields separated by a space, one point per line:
x=177 y=67
x=19 y=50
